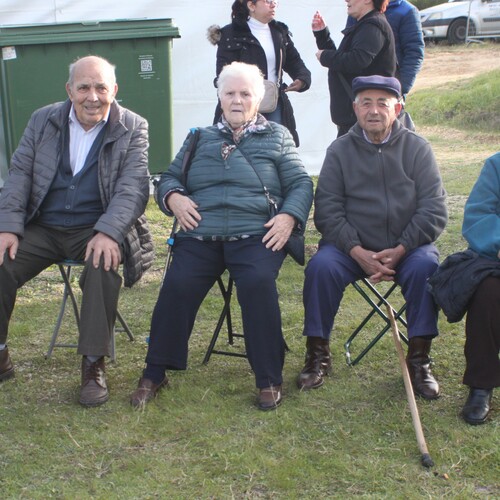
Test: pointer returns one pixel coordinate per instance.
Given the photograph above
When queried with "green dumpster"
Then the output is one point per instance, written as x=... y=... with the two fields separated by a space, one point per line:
x=34 y=70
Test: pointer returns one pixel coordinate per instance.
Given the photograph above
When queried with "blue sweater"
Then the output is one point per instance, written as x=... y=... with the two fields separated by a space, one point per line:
x=481 y=226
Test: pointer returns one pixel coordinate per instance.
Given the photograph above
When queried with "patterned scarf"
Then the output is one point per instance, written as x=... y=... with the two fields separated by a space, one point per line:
x=258 y=122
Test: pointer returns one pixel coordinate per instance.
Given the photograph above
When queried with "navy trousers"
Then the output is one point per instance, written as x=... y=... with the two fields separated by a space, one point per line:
x=329 y=272
x=195 y=267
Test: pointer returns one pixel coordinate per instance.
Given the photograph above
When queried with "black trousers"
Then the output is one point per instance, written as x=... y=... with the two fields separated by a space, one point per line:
x=195 y=267
x=482 y=330
x=42 y=246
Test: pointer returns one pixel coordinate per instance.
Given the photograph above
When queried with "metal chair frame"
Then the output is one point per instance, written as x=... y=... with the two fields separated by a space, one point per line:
x=225 y=316
x=381 y=299
x=65 y=268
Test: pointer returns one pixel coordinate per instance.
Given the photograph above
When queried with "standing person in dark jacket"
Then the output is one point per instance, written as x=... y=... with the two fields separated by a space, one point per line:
x=254 y=37
x=404 y=20
x=78 y=185
x=366 y=49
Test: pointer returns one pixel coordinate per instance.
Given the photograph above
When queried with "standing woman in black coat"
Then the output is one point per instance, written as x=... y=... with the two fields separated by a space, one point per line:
x=367 y=48
x=254 y=37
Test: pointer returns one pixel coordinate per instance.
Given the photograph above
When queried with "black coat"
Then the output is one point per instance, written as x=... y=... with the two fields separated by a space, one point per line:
x=366 y=49
x=235 y=42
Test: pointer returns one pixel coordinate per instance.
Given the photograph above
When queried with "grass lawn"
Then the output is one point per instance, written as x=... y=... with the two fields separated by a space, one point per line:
x=204 y=438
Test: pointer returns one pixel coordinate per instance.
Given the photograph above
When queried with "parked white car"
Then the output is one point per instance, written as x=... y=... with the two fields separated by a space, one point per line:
x=448 y=21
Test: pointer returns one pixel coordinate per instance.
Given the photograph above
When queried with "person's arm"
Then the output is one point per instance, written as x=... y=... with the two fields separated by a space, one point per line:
x=225 y=54
x=411 y=49
x=128 y=159
x=366 y=44
x=296 y=184
x=329 y=205
x=481 y=225
x=295 y=67
x=170 y=181
x=16 y=191
x=430 y=214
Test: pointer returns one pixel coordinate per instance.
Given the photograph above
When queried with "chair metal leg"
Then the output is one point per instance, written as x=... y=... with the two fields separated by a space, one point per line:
x=225 y=315
x=376 y=309
x=68 y=292
x=65 y=268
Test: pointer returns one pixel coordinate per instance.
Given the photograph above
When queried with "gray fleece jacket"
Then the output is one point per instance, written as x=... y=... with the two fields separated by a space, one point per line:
x=380 y=195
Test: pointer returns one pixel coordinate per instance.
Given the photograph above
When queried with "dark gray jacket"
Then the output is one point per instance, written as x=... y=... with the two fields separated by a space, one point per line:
x=380 y=195
x=123 y=180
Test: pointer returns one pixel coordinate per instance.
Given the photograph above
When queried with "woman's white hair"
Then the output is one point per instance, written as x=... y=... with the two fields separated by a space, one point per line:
x=250 y=72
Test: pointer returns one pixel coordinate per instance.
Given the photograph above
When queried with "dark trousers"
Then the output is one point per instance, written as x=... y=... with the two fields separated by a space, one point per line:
x=329 y=272
x=42 y=246
x=482 y=331
x=195 y=267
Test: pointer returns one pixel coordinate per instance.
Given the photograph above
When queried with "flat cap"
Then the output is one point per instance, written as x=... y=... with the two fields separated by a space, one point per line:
x=387 y=83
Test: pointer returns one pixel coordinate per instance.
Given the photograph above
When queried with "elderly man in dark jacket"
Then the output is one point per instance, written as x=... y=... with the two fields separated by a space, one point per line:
x=379 y=206
x=77 y=189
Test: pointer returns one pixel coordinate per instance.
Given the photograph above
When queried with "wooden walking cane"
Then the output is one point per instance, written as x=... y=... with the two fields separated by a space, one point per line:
x=426 y=458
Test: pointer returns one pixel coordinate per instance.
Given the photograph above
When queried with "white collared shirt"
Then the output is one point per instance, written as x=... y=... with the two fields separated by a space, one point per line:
x=81 y=140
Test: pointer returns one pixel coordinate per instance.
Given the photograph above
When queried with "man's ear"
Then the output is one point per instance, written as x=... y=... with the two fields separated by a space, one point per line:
x=398 y=107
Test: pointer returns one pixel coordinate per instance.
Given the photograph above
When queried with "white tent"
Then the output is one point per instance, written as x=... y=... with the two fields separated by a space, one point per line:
x=193 y=57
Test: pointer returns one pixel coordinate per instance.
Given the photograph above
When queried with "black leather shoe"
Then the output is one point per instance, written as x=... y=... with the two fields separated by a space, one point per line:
x=418 y=361
x=318 y=364
x=6 y=366
x=270 y=398
x=477 y=406
x=146 y=391
x=94 y=391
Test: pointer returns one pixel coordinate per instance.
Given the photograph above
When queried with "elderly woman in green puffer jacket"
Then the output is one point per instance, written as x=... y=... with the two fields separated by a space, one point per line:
x=225 y=221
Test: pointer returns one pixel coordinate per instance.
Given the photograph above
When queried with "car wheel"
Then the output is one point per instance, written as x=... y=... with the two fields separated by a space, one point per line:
x=458 y=30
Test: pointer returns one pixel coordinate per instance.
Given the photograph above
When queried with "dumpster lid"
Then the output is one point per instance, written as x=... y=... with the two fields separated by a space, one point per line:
x=89 y=30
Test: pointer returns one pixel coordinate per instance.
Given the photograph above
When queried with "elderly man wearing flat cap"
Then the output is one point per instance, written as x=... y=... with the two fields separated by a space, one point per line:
x=379 y=206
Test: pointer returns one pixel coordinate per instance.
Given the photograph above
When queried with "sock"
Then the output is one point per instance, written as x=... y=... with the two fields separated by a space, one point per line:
x=2 y=346
x=155 y=373
x=93 y=359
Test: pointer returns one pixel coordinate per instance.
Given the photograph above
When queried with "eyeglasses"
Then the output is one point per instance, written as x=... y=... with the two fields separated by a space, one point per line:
x=269 y=2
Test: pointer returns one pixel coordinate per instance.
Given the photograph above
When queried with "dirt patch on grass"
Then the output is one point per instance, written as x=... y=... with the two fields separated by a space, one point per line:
x=445 y=64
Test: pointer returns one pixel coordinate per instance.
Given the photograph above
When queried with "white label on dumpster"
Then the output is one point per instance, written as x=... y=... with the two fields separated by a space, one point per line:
x=8 y=53
x=146 y=66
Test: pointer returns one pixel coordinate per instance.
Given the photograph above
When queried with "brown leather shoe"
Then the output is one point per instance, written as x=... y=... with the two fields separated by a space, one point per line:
x=94 y=391
x=6 y=366
x=146 y=391
x=318 y=364
x=270 y=398
x=419 y=368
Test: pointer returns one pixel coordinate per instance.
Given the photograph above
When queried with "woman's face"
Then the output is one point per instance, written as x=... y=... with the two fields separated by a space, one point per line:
x=238 y=101
x=358 y=8
x=263 y=10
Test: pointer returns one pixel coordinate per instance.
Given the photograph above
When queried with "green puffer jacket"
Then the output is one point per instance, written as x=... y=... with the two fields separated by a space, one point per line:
x=228 y=193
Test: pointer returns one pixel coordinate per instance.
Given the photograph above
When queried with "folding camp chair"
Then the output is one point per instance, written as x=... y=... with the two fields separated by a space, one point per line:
x=65 y=268
x=377 y=300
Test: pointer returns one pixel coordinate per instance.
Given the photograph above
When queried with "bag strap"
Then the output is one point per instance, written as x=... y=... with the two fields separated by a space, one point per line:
x=273 y=206
x=186 y=165
x=188 y=154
